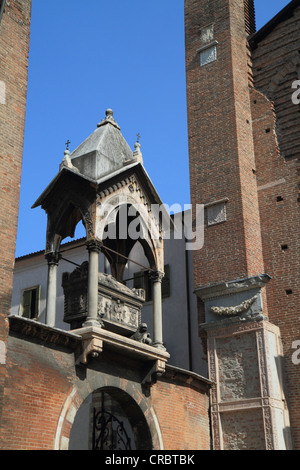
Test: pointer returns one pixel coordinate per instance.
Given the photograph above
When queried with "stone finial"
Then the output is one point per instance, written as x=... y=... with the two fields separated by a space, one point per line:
x=137 y=153
x=66 y=161
x=109 y=118
x=109 y=114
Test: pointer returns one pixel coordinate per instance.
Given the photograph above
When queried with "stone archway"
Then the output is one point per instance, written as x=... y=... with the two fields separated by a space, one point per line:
x=110 y=419
x=138 y=416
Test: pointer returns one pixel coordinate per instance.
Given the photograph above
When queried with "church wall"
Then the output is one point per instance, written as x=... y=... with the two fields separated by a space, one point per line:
x=31 y=271
x=251 y=196
x=276 y=65
x=181 y=404
x=276 y=139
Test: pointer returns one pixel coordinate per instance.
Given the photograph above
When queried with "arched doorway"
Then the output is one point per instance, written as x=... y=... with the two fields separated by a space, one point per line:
x=110 y=419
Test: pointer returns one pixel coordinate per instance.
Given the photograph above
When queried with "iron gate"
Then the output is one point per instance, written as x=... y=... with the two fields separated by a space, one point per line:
x=109 y=432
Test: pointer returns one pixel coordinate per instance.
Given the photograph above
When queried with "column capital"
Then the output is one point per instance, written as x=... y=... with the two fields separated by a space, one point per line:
x=53 y=258
x=94 y=245
x=157 y=276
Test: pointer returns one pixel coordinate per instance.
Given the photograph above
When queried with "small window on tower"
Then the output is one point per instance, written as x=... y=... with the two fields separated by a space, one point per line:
x=30 y=302
x=208 y=51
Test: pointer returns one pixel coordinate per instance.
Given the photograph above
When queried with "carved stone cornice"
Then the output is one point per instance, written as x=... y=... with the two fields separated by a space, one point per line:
x=97 y=340
x=39 y=332
x=113 y=187
x=232 y=287
x=220 y=329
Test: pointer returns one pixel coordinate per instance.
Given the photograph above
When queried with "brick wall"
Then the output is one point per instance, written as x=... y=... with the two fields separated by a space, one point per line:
x=45 y=389
x=242 y=430
x=250 y=16
x=244 y=146
x=181 y=405
x=276 y=122
x=220 y=142
x=276 y=65
x=14 y=46
x=39 y=379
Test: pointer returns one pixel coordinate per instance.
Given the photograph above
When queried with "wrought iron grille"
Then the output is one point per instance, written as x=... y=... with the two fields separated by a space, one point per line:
x=109 y=432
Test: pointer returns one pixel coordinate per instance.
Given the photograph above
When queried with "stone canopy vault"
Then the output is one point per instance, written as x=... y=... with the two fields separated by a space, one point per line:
x=104 y=184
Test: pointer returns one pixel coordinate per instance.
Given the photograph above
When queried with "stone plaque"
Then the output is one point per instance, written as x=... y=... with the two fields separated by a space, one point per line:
x=207 y=34
x=208 y=55
x=216 y=214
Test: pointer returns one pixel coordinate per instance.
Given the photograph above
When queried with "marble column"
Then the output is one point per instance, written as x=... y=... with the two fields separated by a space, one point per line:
x=94 y=248
x=157 y=278
x=53 y=260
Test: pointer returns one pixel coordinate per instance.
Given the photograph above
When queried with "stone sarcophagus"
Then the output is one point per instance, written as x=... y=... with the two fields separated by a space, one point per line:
x=119 y=307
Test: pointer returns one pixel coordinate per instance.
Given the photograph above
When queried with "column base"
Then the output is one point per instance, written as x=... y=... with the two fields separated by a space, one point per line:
x=159 y=346
x=96 y=323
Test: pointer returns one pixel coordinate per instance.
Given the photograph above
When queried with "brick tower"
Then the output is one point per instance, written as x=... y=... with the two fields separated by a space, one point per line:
x=222 y=168
x=14 y=46
x=233 y=276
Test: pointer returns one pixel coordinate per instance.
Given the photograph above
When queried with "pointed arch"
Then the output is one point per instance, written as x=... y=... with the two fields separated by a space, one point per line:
x=63 y=221
x=122 y=221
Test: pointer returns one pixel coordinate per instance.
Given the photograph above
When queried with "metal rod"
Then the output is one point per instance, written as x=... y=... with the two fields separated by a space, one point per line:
x=128 y=259
x=72 y=262
x=73 y=248
x=113 y=251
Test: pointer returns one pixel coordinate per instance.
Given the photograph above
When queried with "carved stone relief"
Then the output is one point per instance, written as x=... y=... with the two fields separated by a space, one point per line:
x=118 y=306
x=236 y=310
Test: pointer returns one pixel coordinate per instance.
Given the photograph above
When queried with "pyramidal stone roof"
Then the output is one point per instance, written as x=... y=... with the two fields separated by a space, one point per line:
x=103 y=155
x=104 y=152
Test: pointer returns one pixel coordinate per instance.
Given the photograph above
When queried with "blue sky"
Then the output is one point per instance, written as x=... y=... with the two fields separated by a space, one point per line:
x=88 y=56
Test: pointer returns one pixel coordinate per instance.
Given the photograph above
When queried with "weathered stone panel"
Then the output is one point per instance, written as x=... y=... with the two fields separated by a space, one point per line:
x=238 y=367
